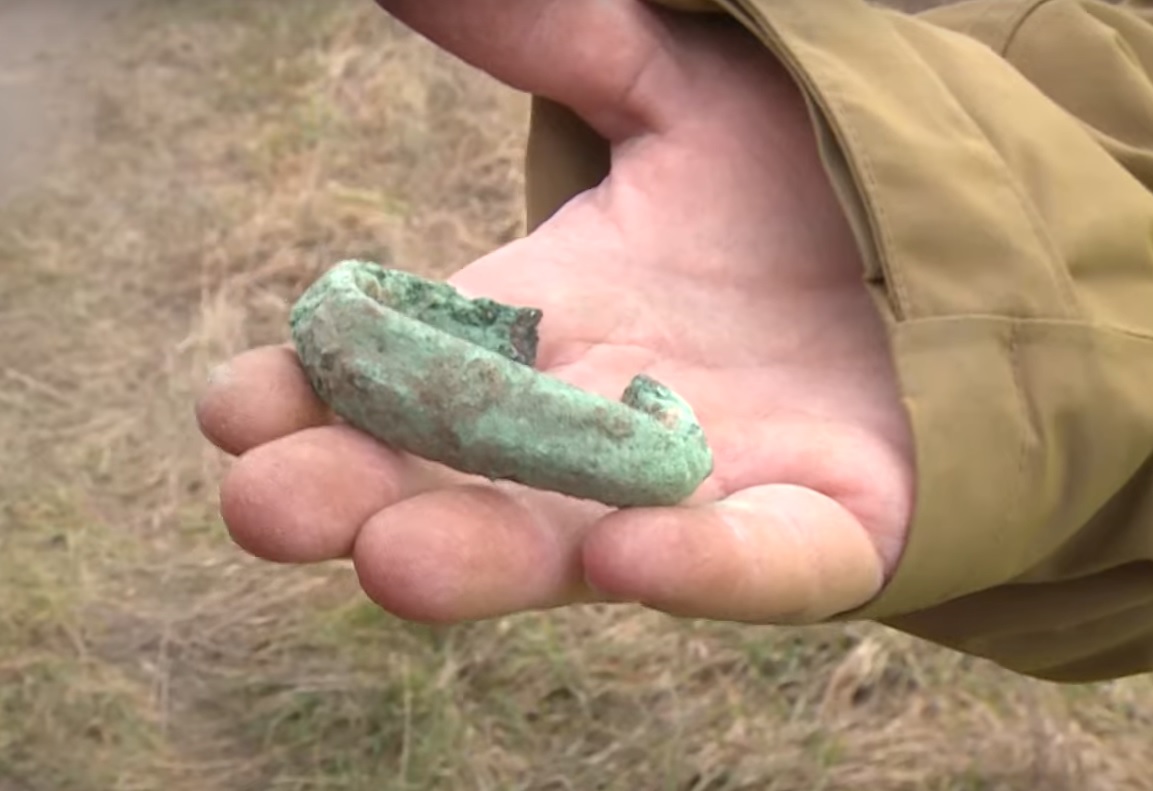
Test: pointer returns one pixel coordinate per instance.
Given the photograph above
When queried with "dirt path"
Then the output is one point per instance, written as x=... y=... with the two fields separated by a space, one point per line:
x=42 y=43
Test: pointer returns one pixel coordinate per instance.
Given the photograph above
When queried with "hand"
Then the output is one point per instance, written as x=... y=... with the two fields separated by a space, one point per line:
x=716 y=259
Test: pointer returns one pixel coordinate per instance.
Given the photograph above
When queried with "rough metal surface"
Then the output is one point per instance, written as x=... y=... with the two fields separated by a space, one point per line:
x=449 y=379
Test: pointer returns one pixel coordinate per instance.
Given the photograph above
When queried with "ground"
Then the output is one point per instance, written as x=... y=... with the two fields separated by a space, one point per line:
x=216 y=157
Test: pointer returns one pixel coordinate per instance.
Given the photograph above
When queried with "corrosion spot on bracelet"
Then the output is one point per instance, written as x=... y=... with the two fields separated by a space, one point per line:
x=429 y=371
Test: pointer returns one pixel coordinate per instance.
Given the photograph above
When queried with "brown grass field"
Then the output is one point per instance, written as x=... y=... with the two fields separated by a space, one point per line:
x=240 y=149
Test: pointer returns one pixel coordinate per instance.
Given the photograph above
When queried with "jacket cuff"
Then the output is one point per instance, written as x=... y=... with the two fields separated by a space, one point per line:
x=1020 y=356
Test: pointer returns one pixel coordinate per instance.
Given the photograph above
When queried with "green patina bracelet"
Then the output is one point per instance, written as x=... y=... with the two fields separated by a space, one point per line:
x=426 y=370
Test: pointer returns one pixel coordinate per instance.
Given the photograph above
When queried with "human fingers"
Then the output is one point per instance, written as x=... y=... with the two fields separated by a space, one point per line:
x=257 y=397
x=472 y=552
x=771 y=554
x=606 y=60
x=304 y=497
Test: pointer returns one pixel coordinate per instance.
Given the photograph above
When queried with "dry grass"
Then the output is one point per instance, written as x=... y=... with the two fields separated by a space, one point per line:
x=242 y=148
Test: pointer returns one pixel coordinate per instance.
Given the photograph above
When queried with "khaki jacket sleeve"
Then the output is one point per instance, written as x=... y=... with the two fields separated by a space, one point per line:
x=996 y=159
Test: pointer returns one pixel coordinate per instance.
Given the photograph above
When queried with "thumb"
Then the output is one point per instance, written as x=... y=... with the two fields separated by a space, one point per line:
x=603 y=59
x=771 y=554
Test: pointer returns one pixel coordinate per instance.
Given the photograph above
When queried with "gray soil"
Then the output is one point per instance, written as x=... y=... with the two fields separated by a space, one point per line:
x=43 y=47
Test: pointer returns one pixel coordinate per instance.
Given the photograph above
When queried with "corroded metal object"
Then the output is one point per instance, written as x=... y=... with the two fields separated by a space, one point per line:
x=426 y=370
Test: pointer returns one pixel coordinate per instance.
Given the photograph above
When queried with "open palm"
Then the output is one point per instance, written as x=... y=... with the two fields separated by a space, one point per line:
x=716 y=259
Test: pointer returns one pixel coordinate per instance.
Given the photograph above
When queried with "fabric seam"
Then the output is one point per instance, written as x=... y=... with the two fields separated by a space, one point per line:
x=1025 y=321
x=1029 y=8
x=871 y=196
x=1017 y=509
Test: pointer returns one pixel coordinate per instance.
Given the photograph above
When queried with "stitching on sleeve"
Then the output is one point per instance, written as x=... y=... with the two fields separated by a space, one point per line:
x=1027 y=10
x=1016 y=509
x=1062 y=286
x=871 y=194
